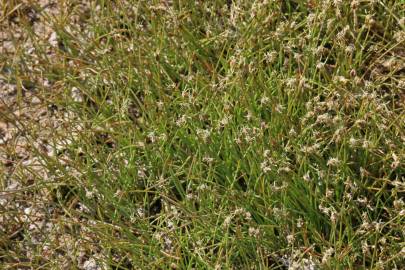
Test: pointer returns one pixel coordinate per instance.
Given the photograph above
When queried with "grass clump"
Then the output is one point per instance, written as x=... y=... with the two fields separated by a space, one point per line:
x=214 y=135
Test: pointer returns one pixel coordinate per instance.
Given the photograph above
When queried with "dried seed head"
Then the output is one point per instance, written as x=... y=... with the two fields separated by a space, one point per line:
x=369 y=21
x=354 y=4
x=401 y=22
x=333 y=162
x=320 y=65
x=350 y=49
x=353 y=73
x=326 y=256
x=290 y=239
x=254 y=232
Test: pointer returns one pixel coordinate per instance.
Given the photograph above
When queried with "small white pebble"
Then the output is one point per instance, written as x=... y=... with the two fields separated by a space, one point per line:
x=35 y=100
x=90 y=264
x=27 y=211
x=76 y=95
x=53 y=39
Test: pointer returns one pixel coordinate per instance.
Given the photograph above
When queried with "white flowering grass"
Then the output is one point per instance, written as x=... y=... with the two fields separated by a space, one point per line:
x=228 y=135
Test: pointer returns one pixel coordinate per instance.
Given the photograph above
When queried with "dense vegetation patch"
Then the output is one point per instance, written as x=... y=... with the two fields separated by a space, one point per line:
x=208 y=135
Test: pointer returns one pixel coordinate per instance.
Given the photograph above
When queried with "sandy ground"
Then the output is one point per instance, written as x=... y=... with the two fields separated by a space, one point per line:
x=33 y=228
